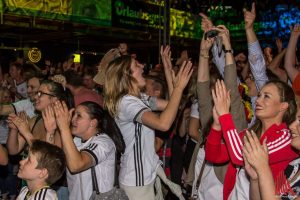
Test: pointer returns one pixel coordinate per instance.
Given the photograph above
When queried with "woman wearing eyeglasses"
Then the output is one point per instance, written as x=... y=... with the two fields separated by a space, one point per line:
x=23 y=131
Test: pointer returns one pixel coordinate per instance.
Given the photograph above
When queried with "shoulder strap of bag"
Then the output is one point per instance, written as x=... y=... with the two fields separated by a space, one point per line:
x=116 y=181
x=94 y=177
x=94 y=180
x=200 y=175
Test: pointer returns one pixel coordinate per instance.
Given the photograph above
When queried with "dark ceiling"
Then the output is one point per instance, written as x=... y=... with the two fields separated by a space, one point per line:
x=58 y=37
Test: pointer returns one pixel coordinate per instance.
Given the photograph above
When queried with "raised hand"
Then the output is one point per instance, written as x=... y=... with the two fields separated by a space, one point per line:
x=206 y=44
x=279 y=45
x=49 y=119
x=249 y=17
x=250 y=170
x=10 y=119
x=221 y=98
x=183 y=76
x=166 y=57
x=206 y=23
x=295 y=31
x=63 y=115
x=255 y=153
x=20 y=122
x=183 y=57
x=224 y=34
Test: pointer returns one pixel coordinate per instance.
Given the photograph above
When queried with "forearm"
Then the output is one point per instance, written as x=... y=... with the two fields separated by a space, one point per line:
x=3 y=156
x=236 y=105
x=168 y=116
x=290 y=58
x=205 y=102
x=14 y=145
x=277 y=60
x=232 y=139
x=168 y=75
x=215 y=151
x=254 y=190
x=203 y=68
x=75 y=161
x=257 y=64
x=266 y=184
x=251 y=36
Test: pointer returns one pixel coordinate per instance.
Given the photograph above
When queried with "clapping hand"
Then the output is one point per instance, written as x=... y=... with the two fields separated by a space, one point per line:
x=221 y=98
x=63 y=115
x=183 y=76
x=49 y=119
x=255 y=155
x=20 y=122
x=166 y=57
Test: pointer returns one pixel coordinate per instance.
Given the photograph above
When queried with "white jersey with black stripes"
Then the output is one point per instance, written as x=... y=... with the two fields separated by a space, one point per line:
x=102 y=149
x=139 y=161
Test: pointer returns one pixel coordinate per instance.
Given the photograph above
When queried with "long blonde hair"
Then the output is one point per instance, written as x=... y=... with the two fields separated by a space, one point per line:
x=118 y=82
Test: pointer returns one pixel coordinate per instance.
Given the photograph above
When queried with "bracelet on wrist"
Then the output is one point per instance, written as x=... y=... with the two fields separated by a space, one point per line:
x=204 y=55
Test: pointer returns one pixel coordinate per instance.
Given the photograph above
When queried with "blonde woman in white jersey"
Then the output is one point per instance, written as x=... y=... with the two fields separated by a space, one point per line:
x=133 y=114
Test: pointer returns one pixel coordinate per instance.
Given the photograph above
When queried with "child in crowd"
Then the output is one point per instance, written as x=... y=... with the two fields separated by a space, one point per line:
x=44 y=165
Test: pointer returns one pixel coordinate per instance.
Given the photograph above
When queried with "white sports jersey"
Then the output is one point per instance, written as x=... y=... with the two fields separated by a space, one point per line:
x=42 y=194
x=24 y=105
x=139 y=161
x=103 y=150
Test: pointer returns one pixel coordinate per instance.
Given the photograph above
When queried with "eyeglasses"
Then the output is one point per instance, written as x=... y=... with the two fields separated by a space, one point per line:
x=40 y=93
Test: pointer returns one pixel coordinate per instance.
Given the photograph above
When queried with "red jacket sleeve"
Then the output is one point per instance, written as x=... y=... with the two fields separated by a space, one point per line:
x=232 y=139
x=215 y=150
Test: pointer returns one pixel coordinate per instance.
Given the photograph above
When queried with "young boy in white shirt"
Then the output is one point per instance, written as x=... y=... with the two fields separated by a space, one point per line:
x=44 y=165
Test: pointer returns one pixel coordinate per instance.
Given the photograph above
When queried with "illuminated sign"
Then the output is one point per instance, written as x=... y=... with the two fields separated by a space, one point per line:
x=34 y=55
x=137 y=15
x=96 y=12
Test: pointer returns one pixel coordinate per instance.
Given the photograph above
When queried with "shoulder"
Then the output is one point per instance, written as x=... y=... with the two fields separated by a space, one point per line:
x=46 y=194
x=100 y=141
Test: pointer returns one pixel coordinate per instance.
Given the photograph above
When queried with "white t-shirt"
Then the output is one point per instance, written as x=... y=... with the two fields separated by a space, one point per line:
x=139 y=161
x=42 y=194
x=103 y=150
x=210 y=187
x=24 y=105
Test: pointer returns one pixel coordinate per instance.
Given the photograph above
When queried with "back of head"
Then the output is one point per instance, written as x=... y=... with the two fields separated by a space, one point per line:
x=49 y=157
x=73 y=78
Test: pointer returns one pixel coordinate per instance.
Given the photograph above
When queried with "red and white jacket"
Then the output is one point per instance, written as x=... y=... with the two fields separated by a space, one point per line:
x=278 y=142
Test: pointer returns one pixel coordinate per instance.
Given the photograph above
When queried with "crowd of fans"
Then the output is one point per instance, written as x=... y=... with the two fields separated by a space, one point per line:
x=226 y=127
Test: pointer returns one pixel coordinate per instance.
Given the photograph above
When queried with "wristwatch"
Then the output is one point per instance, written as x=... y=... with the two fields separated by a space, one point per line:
x=228 y=51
